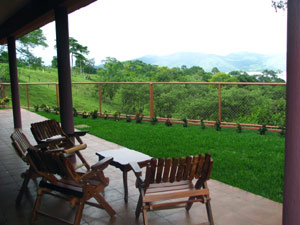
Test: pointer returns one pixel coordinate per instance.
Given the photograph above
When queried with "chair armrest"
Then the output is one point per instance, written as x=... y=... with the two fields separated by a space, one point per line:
x=81 y=132
x=102 y=164
x=56 y=150
x=76 y=148
x=137 y=171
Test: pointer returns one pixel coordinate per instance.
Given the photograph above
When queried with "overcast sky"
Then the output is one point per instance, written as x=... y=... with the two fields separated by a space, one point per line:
x=128 y=29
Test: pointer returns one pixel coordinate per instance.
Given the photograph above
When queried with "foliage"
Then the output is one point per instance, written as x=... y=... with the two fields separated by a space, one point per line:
x=239 y=128
x=139 y=117
x=4 y=101
x=185 y=122
x=168 y=123
x=85 y=114
x=45 y=108
x=263 y=129
x=56 y=109
x=75 y=113
x=128 y=118
x=282 y=132
x=116 y=116
x=105 y=115
x=202 y=124
x=36 y=108
x=218 y=126
x=153 y=120
x=94 y=114
x=279 y=4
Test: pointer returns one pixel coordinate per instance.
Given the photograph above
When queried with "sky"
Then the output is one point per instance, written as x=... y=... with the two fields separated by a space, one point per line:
x=129 y=29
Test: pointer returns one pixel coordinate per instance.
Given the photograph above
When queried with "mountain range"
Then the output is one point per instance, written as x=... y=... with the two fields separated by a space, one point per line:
x=245 y=61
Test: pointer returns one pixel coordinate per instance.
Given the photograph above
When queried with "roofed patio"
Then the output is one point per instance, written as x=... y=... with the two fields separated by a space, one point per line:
x=230 y=205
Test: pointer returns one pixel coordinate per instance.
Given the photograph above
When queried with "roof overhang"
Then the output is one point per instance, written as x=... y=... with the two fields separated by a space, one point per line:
x=19 y=17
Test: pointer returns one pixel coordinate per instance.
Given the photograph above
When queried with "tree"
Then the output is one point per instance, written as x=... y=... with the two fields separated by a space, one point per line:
x=24 y=47
x=54 y=62
x=78 y=51
x=279 y=4
x=215 y=70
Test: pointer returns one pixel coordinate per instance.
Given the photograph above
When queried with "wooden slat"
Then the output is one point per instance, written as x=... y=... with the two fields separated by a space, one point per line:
x=174 y=195
x=153 y=169
x=180 y=170
x=173 y=204
x=173 y=169
x=168 y=184
x=167 y=170
x=160 y=166
x=170 y=188
x=187 y=168
x=194 y=167
x=200 y=166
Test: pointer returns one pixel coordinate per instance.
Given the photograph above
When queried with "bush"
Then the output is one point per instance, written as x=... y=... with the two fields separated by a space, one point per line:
x=139 y=117
x=75 y=113
x=85 y=114
x=168 y=123
x=153 y=120
x=128 y=118
x=218 y=126
x=105 y=115
x=117 y=116
x=202 y=124
x=185 y=122
x=94 y=114
x=262 y=130
x=239 y=128
x=36 y=108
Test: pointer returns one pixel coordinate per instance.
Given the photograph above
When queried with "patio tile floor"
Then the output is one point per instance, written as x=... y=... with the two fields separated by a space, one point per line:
x=230 y=205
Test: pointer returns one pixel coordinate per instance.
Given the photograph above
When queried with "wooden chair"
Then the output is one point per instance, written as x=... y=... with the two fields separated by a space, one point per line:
x=50 y=133
x=60 y=179
x=169 y=184
x=21 y=144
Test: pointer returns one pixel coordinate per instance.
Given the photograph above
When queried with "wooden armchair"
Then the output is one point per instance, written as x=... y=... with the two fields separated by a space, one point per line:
x=21 y=144
x=50 y=131
x=169 y=184
x=60 y=179
x=50 y=134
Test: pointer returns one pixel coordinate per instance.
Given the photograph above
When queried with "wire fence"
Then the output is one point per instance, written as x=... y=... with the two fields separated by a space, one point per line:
x=248 y=103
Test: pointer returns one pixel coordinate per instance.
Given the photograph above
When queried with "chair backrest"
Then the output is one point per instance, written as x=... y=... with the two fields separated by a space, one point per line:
x=51 y=162
x=184 y=168
x=46 y=129
x=20 y=143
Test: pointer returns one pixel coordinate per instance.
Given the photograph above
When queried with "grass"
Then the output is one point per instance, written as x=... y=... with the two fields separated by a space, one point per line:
x=246 y=160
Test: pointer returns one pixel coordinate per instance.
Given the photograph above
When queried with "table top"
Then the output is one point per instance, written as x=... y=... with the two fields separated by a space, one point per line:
x=124 y=156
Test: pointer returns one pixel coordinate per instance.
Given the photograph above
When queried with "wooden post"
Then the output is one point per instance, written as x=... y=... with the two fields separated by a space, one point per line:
x=151 y=101
x=100 y=105
x=57 y=95
x=291 y=190
x=220 y=105
x=13 y=71
x=27 y=96
x=63 y=67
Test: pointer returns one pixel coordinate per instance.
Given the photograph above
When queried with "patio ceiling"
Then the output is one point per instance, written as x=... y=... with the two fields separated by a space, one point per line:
x=19 y=17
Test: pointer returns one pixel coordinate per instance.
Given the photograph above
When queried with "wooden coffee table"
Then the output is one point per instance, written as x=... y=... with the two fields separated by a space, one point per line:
x=121 y=159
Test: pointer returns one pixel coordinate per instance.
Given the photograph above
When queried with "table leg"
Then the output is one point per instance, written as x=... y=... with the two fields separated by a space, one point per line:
x=125 y=186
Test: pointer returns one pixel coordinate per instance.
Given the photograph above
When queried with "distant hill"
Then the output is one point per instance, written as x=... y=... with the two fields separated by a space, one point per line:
x=245 y=61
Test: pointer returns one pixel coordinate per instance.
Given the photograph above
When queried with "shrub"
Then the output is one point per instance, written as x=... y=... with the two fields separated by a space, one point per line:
x=218 y=126
x=202 y=124
x=4 y=101
x=239 y=128
x=168 y=123
x=85 y=114
x=282 y=132
x=94 y=114
x=263 y=129
x=36 y=108
x=139 y=117
x=117 y=116
x=185 y=122
x=75 y=113
x=128 y=118
x=153 y=120
x=56 y=110
x=105 y=115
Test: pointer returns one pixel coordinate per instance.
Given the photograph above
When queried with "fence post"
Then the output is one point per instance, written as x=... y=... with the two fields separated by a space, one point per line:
x=220 y=107
x=27 y=96
x=151 y=101
x=100 y=105
x=57 y=95
x=3 y=92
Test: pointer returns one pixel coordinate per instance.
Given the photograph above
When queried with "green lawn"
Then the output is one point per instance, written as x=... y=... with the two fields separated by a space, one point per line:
x=246 y=160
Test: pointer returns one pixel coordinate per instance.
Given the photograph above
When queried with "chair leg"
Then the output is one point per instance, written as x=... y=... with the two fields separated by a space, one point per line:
x=145 y=217
x=79 y=213
x=138 y=207
x=28 y=175
x=36 y=205
x=209 y=213
x=105 y=204
x=189 y=205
